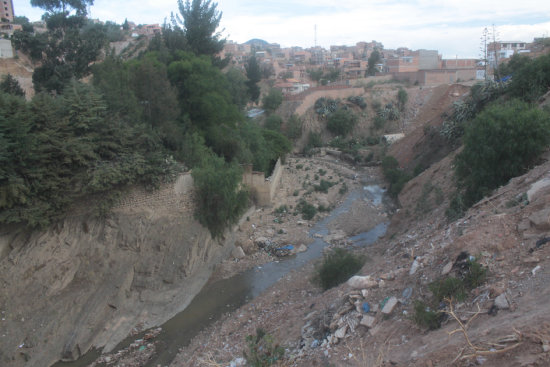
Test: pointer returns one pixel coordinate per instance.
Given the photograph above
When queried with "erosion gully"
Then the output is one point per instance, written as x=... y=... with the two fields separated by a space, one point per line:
x=226 y=295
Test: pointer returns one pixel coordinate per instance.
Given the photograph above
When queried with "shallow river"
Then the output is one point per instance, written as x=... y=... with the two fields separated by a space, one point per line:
x=227 y=295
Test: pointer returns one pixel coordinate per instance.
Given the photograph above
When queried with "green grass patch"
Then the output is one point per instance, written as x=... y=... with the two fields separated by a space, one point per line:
x=337 y=267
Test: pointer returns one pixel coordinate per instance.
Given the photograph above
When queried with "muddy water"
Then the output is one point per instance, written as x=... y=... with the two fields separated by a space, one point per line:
x=227 y=295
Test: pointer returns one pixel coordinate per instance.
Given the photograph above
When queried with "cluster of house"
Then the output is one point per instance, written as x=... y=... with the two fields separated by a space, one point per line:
x=425 y=67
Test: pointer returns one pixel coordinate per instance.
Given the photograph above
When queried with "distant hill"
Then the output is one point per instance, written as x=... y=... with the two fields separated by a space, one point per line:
x=258 y=43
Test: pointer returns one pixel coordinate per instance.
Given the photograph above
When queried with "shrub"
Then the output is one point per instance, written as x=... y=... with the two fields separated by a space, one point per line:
x=396 y=177
x=448 y=288
x=378 y=122
x=358 y=101
x=341 y=122
x=294 y=127
x=273 y=122
x=262 y=350
x=337 y=267
x=307 y=210
x=219 y=200
x=324 y=186
x=500 y=143
x=272 y=100
x=475 y=275
x=402 y=98
x=424 y=316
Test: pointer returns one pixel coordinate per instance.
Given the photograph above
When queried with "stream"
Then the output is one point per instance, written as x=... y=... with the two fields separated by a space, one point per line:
x=227 y=295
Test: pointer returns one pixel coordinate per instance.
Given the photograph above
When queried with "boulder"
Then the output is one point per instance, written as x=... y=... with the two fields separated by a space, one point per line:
x=501 y=302
x=238 y=252
x=536 y=188
x=541 y=219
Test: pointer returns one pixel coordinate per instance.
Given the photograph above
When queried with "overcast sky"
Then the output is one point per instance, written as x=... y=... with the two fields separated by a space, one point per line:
x=453 y=27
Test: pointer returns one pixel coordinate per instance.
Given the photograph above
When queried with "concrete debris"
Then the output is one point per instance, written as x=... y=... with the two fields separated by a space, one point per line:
x=301 y=248
x=362 y=282
x=447 y=268
x=501 y=302
x=389 y=306
x=341 y=332
x=368 y=321
x=414 y=267
x=238 y=252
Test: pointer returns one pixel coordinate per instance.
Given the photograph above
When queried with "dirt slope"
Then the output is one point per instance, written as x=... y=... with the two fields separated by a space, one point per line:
x=89 y=282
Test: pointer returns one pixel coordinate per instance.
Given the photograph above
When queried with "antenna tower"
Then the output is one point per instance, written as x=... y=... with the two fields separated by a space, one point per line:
x=315 y=41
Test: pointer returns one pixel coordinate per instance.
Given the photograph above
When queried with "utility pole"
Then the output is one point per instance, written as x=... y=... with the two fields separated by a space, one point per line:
x=484 y=36
x=315 y=40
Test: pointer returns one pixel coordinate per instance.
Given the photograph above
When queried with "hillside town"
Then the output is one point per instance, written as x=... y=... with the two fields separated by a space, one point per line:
x=171 y=198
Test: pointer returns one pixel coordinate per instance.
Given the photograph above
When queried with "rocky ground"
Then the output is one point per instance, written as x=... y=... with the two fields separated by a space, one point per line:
x=368 y=321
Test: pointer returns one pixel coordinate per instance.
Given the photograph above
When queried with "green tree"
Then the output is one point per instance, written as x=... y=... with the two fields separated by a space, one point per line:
x=200 y=22
x=315 y=74
x=24 y=22
x=341 y=122
x=237 y=87
x=10 y=85
x=531 y=79
x=220 y=201
x=274 y=123
x=203 y=92
x=272 y=100
x=374 y=58
x=402 y=98
x=293 y=128
x=71 y=48
x=502 y=142
x=254 y=75
x=63 y=6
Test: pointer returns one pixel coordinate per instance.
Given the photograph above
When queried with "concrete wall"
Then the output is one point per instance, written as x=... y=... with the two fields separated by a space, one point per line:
x=6 y=51
x=263 y=189
x=176 y=196
x=428 y=59
x=437 y=77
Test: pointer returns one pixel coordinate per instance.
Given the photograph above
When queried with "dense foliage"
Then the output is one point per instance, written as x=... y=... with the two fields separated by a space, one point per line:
x=341 y=122
x=137 y=122
x=396 y=177
x=502 y=142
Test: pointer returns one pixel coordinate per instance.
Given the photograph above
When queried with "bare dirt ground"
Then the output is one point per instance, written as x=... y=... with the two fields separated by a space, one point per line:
x=503 y=322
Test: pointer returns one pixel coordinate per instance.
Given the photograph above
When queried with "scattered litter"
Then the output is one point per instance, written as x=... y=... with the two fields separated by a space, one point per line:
x=535 y=269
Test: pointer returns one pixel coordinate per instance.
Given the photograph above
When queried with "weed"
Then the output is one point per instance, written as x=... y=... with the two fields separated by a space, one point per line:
x=296 y=193
x=262 y=350
x=283 y=209
x=426 y=317
x=324 y=186
x=475 y=275
x=316 y=177
x=343 y=189
x=299 y=166
x=322 y=172
x=448 y=288
x=337 y=267
x=307 y=210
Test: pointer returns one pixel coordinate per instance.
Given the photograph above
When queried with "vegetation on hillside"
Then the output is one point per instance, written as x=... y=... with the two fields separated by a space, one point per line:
x=137 y=122
x=502 y=130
